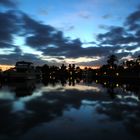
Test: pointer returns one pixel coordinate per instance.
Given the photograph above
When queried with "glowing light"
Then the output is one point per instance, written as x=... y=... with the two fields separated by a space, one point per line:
x=104 y=83
x=117 y=85
x=117 y=74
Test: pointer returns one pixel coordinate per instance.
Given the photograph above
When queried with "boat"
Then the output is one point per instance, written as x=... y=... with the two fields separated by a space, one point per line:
x=23 y=71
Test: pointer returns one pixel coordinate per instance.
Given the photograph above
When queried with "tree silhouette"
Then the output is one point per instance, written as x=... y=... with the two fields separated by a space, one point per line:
x=138 y=61
x=111 y=61
x=130 y=64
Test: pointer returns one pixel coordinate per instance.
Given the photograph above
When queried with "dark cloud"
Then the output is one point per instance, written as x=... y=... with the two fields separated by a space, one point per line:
x=63 y=46
x=6 y=45
x=70 y=28
x=11 y=59
x=39 y=34
x=133 y=20
x=117 y=36
x=9 y=25
x=35 y=27
x=112 y=36
x=67 y=26
x=127 y=37
x=52 y=42
x=43 y=12
x=136 y=54
x=102 y=26
x=75 y=52
x=8 y=3
x=106 y=16
x=133 y=24
x=84 y=15
x=44 y=36
x=130 y=48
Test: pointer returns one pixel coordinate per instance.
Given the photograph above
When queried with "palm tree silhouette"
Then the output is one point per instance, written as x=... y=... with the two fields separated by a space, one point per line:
x=111 y=61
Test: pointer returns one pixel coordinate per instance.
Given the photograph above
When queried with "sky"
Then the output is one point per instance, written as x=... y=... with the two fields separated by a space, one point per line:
x=84 y=32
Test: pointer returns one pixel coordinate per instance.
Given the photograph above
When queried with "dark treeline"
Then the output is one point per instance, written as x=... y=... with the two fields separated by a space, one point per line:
x=60 y=72
x=125 y=70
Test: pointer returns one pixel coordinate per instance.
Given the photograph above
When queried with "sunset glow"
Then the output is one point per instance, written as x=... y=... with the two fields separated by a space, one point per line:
x=6 y=67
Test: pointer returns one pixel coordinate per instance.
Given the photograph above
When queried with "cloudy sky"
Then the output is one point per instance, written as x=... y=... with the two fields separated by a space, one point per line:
x=83 y=32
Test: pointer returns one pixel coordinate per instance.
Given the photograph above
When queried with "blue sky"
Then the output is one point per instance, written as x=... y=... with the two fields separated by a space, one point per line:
x=84 y=26
x=79 y=18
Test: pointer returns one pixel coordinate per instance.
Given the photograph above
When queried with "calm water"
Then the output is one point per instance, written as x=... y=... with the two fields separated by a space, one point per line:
x=69 y=111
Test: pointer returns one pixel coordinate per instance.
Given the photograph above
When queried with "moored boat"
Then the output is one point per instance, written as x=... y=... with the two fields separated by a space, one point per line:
x=23 y=71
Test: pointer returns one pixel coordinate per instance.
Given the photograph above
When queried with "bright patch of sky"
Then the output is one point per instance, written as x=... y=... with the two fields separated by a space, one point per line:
x=20 y=41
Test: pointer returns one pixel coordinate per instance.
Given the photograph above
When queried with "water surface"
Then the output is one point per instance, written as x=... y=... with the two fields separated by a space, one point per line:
x=79 y=109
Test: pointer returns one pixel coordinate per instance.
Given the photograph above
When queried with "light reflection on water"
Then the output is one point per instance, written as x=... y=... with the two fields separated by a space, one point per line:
x=80 y=111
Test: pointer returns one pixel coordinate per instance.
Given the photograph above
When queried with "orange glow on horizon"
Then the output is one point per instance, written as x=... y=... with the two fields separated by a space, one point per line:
x=92 y=67
x=6 y=67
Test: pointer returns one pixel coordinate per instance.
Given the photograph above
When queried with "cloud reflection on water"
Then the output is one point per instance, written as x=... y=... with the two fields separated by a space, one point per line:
x=52 y=110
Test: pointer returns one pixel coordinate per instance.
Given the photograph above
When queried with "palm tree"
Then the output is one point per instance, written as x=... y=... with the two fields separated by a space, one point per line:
x=111 y=61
